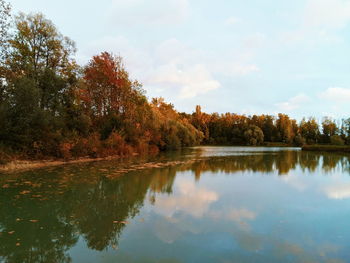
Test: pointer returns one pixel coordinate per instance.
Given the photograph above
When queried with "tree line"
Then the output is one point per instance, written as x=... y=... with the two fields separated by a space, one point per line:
x=238 y=129
x=51 y=106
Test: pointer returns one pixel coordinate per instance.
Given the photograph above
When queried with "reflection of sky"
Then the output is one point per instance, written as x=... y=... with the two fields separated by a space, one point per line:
x=301 y=216
x=187 y=198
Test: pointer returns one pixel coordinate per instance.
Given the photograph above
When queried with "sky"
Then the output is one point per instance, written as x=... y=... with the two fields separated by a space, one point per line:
x=247 y=57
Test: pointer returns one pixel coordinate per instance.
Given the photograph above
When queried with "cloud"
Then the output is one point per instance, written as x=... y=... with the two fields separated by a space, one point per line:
x=293 y=103
x=150 y=12
x=327 y=14
x=320 y=21
x=170 y=67
x=336 y=94
x=192 y=81
x=232 y=21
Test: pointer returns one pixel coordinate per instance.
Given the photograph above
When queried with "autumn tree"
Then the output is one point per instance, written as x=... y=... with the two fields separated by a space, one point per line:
x=253 y=135
x=39 y=71
x=309 y=130
x=286 y=128
x=329 y=129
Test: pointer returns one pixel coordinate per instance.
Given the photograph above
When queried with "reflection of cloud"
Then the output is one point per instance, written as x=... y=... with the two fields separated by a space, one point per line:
x=187 y=198
x=338 y=192
x=239 y=216
x=295 y=181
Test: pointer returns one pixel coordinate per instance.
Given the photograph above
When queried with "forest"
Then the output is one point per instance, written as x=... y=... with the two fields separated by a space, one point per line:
x=52 y=107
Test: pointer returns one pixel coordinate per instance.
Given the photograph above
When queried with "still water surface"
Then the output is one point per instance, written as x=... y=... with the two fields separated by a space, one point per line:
x=206 y=204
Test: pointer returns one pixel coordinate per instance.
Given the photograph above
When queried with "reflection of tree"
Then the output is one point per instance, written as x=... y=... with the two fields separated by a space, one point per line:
x=101 y=210
x=33 y=230
x=69 y=202
x=282 y=162
x=63 y=205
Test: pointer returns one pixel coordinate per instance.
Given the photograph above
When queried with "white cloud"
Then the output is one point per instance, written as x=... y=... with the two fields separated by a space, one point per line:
x=328 y=14
x=254 y=41
x=232 y=20
x=170 y=67
x=293 y=103
x=320 y=21
x=150 y=12
x=191 y=81
x=336 y=94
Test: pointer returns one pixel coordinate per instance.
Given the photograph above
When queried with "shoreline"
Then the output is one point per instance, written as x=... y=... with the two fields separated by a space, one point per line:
x=25 y=165
x=326 y=148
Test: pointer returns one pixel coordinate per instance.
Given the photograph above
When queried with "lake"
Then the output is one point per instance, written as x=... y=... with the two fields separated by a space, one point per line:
x=203 y=204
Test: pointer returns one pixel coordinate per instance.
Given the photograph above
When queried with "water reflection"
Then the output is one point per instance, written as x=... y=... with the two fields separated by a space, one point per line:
x=45 y=213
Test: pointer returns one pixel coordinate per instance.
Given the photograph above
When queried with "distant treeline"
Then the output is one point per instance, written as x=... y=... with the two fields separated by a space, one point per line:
x=238 y=129
x=51 y=106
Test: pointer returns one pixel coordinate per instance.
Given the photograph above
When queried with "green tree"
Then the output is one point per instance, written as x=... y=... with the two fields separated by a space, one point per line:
x=329 y=129
x=254 y=135
x=309 y=129
x=36 y=46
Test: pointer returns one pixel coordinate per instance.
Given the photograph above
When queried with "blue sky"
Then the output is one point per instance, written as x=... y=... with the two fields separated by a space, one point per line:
x=251 y=57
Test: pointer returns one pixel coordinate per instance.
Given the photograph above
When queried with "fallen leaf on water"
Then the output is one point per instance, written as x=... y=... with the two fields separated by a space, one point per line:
x=18 y=219
x=24 y=192
x=6 y=186
x=18 y=244
x=11 y=232
x=33 y=220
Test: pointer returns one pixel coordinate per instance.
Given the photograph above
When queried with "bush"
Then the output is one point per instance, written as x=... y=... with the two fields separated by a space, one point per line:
x=337 y=140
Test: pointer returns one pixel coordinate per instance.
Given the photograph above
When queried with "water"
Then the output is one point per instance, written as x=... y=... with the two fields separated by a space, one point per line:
x=206 y=204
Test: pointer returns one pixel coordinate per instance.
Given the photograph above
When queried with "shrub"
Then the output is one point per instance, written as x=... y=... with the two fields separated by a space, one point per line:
x=337 y=140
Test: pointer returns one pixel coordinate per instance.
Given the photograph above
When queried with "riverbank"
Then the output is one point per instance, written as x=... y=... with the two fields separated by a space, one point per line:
x=23 y=165
x=326 y=148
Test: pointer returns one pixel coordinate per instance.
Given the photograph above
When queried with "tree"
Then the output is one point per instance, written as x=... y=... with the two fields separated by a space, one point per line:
x=108 y=87
x=310 y=130
x=37 y=47
x=254 y=135
x=40 y=76
x=285 y=128
x=329 y=129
